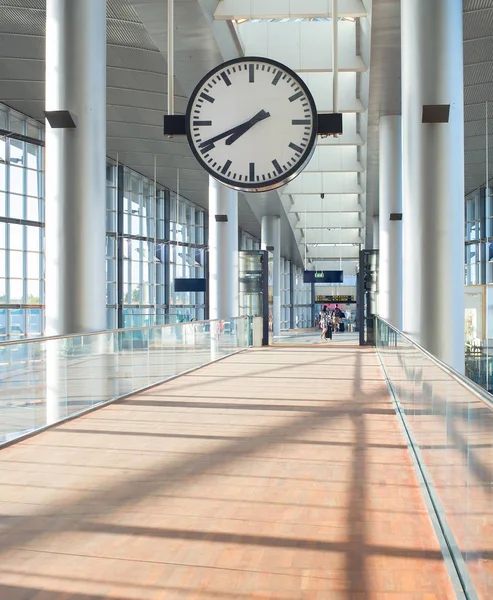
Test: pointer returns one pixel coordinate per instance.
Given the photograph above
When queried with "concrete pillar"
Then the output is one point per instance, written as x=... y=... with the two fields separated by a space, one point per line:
x=390 y=231
x=271 y=240
x=76 y=167
x=75 y=180
x=433 y=178
x=223 y=251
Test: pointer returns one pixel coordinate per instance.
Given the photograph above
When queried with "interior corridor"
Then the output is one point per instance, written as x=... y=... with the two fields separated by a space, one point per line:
x=276 y=473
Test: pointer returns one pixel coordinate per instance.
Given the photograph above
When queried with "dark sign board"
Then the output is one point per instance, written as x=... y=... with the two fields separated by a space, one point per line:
x=331 y=299
x=190 y=285
x=322 y=277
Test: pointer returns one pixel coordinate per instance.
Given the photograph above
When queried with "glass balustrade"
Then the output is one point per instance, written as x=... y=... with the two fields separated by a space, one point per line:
x=450 y=420
x=45 y=380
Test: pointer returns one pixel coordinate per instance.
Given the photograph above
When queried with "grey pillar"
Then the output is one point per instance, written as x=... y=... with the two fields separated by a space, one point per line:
x=390 y=231
x=271 y=238
x=223 y=251
x=76 y=167
x=433 y=178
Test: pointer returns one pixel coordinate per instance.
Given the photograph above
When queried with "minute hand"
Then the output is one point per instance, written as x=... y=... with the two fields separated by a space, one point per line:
x=258 y=117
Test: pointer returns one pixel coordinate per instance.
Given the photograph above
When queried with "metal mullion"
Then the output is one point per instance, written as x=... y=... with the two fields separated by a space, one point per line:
x=25 y=273
x=120 y=291
x=7 y=234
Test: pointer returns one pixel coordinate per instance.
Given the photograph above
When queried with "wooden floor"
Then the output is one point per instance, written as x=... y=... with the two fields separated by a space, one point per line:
x=276 y=473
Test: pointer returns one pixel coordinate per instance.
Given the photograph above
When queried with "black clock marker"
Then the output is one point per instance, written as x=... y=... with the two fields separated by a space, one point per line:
x=202 y=123
x=226 y=79
x=277 y=166
x=296 y=148
x=227 y=164
x=205 y=96
x=251 y=73
x=276 y=78
x=295 y=96
x=252 y=171
x=300 y=122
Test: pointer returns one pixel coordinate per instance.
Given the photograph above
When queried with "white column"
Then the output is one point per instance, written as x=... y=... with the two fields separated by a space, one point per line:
x=223 y=251
x=433 y=178
x=75 y=210
x=76 y=167
x=390 y=232
x=271 y=238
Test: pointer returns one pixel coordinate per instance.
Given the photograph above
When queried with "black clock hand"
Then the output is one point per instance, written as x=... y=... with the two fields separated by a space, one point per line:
x=210 y=142
x=246 y=126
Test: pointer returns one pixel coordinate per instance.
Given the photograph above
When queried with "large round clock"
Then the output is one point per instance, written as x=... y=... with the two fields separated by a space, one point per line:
x=252 y=124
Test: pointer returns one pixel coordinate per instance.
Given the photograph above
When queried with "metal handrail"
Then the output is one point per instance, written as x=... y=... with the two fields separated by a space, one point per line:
x=473 y=387
x=107 y=331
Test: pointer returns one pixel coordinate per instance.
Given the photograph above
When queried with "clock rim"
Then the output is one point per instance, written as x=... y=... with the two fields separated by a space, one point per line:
x=286 y=177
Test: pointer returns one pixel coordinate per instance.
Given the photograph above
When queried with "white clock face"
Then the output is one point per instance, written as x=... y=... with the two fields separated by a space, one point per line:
x=252 y=124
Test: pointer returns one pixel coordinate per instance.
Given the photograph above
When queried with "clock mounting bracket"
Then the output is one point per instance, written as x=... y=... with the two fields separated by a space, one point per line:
x=328 y=124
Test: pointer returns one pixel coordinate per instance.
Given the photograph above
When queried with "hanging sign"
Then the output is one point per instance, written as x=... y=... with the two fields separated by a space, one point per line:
x=332 y=299
x=322 y=277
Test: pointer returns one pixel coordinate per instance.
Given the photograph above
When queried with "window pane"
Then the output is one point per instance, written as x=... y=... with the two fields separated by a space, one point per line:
x=33 y=130
x=33 y=183
x=33 y=156
x=16 y=264
x=3 y=177
x=16 y=206
x=16 y=125
x=33 y=291
x=34 y=321
x=16 y=237
x=34 y=239
x=16 y=291
x=33 y=209
x=33 y=267
x=17 y=152
x=16 y=180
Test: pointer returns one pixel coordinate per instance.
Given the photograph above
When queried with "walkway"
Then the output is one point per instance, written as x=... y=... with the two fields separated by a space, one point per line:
x=276 y=473
x=312 y=336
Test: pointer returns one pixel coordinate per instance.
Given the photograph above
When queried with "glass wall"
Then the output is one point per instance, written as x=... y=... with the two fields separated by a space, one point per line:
x=21 y=226
x=152 y=236
x=474 y=211
x=285 y=294
x=302 y=300
x=144 y=237
x=187 y=258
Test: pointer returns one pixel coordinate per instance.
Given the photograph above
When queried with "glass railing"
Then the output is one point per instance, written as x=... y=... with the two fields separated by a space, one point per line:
x=45 y=380
x=450 y=424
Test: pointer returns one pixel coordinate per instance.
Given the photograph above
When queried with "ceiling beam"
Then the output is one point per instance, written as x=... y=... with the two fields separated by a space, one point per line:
x=302 y=45
x=285 y=9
